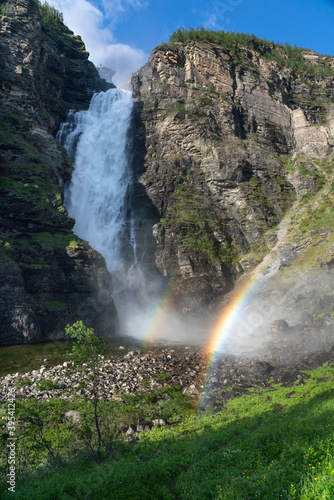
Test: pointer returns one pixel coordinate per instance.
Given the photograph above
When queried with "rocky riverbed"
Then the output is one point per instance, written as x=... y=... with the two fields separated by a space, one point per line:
x=138 y=372
x=135 y=372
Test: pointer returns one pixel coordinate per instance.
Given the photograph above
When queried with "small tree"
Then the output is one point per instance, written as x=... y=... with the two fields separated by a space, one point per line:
x=49 y=14
x=87 y=347
x=85 y=356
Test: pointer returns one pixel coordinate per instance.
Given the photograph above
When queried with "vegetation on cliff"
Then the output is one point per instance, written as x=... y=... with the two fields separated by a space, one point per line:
x=285 y=55
x=238 y=137
x=37 y=246
x=49 y=14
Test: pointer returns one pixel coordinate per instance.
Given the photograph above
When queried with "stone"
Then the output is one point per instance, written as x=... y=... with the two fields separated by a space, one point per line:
x=262 y=367
x=279 y=326
x=191 y=390
x=131 y=430
x=74 y=416
x=203 y=153
x=160 y=422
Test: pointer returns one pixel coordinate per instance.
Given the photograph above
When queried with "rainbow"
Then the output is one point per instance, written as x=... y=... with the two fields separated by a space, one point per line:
x=224 y=328
x=230 y=322
x=232 y=314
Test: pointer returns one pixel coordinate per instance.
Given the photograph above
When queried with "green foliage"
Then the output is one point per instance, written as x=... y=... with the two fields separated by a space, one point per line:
x=262 y=445
x=284 y=55
x=58 y=240
x=227 y=39
x=206 y=100
x=85 y=356
x=23 y=382
x=193 y=222
x=47 y=385
x=258 y=196
x=49 y=14
x=54 y=304
x=254 y=182
x=87 y=347
x=303 y=170
x=5 y=248
x=316 y=217
x=180 y=108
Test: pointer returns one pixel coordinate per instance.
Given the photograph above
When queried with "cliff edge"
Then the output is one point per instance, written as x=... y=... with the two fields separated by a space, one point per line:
x=48 y=276
x=233 y=137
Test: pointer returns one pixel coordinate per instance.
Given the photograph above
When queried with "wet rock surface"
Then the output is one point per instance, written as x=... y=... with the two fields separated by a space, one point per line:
x=48 y=276
x=210 y=132
x=134 y=373
x=192 y=372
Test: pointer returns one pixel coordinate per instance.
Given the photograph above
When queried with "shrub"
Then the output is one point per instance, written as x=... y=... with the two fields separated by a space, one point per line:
x=47 y=385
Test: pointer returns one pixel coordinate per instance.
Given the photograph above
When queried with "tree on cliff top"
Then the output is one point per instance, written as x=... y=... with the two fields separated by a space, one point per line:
x=284 y=55
x=49 y=14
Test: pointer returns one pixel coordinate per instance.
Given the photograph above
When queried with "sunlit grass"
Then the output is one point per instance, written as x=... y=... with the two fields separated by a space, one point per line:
x=262 y=445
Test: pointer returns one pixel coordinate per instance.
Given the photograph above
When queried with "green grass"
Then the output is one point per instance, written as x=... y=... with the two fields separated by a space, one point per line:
x=23 y=382
x=47 y=385
x=262 y=445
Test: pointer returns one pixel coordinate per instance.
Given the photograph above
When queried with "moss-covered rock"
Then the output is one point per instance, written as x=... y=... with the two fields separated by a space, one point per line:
x=45 y=72
x=231 y=131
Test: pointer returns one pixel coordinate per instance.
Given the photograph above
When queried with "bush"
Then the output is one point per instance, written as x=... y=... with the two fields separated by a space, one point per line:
x=47 y=385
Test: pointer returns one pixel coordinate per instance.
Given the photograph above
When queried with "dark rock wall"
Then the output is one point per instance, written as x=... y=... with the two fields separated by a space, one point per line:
x=49 y=277
x=214 y=131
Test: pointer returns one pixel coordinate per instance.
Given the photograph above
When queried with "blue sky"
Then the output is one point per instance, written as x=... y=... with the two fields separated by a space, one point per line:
x=121 y=33
x=301 y=22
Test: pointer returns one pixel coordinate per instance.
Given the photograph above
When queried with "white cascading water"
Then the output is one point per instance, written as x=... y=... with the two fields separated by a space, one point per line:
x=96 y=197
x=99 y=199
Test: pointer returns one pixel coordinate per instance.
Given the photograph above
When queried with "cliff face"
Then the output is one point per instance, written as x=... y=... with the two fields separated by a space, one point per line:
x=229 y=142
x=48 y=276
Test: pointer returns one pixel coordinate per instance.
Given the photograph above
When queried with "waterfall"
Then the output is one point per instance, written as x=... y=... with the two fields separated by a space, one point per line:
x=97 y=196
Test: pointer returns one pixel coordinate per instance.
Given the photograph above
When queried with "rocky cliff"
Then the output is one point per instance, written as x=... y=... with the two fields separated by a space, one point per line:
x=48 y=276
x=230 y=141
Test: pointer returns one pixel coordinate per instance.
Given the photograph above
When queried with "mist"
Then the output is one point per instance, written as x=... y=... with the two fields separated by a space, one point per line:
x=143 y=298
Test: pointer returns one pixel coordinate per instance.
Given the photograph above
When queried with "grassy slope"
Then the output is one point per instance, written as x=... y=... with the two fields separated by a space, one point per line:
x=274 y=443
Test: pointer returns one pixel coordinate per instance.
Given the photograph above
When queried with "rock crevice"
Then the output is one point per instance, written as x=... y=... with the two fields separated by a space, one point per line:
x=49 y=277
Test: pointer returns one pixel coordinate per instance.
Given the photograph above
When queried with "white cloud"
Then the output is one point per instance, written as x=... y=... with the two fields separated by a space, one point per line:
x=90 y=23
x=211 y=22
x=115 y=8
